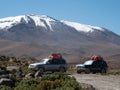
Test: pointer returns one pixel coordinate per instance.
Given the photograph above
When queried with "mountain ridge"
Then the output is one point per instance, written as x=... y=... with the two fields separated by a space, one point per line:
x=44 y=34
x=38 y=22
x=36 y=25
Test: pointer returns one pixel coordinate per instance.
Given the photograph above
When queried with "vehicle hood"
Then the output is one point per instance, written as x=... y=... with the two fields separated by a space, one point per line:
x=80 y=65
x=89 y=62
x=37 y=64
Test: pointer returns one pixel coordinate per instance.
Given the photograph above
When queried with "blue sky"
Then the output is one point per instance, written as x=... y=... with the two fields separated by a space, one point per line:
x=104 y=13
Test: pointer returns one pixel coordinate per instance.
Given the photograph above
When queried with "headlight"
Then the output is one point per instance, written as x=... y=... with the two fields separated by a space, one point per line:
x=31 y=66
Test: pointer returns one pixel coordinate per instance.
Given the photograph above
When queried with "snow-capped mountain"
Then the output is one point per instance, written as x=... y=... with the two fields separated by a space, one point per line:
x=7 y=23
x=44 y=21
x=34 y=28
x=46 y=34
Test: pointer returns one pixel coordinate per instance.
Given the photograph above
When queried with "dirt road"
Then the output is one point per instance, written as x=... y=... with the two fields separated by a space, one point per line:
x=100 y=82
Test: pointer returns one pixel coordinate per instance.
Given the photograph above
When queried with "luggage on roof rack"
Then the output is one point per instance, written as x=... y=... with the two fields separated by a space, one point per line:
x=55 y=56
x=96 y=57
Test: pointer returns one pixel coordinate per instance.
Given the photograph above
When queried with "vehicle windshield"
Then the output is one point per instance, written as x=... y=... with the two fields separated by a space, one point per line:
x=44 y=60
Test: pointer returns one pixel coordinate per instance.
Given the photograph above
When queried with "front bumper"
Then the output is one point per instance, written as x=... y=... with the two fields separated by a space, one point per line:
x=32 y=67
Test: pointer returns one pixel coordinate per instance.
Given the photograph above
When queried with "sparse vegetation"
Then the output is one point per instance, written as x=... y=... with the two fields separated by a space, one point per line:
x=3 y=87
x=114 y=72
x=54 y=81
x=29 y=84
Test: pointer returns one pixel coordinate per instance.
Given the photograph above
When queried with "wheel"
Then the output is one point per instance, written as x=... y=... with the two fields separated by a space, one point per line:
x=62 y=69
x=78 y=72
x=87 y=70
x=94 y=72
x=103 y=70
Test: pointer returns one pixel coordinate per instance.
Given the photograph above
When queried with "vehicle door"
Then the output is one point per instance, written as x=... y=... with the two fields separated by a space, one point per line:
x=96 y=65
x=52 y=65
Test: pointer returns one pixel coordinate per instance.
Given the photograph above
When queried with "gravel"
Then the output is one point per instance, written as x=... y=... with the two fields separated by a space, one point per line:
x=100 y=82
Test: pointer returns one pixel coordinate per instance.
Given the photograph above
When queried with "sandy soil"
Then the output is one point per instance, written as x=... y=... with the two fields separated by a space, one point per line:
x=100 y=82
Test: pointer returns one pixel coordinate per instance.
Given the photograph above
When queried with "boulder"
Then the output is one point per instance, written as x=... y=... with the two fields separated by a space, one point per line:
x=2 y=72
x=38 y=73
x=7 y=82
x=12 y=68
x=29 y=75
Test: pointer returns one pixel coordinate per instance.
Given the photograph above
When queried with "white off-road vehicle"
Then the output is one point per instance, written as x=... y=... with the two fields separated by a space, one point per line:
x=49 y=64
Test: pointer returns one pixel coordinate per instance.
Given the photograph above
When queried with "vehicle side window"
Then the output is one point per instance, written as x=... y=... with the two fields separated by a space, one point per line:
x=50 y=62
x=95 y=64
x=62 y=61
x=104 y=63
x=56 y=61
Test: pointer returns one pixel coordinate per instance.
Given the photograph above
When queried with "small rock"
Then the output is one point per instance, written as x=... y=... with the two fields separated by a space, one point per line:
x=29 y=75
x=38 y=73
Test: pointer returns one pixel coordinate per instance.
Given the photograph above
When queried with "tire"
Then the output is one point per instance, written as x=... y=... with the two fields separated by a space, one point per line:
x=103 y=70
x=94 y=71
x=87 y=70
x=78 y=72
x=62 y=69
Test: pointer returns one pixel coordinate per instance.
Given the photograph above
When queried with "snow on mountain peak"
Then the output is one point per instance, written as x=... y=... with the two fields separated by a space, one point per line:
x=39 y=20
x=82 y=27
x=44 y=21
x=8 y=22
